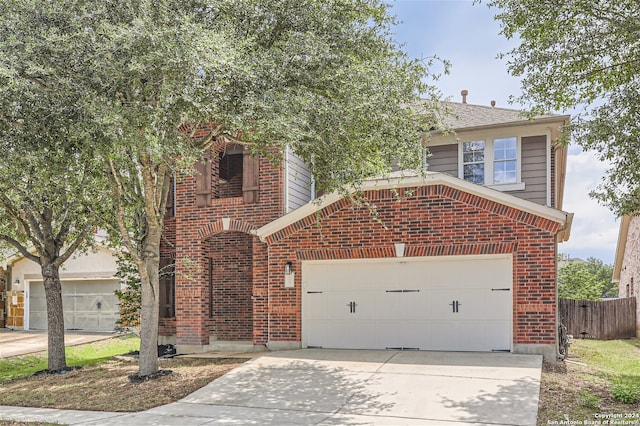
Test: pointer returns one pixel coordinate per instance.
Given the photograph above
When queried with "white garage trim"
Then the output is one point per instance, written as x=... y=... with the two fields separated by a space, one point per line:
x=462 y=303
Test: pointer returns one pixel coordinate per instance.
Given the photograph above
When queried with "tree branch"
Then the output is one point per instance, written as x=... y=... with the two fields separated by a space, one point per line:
x=75 y=245
x=23 y=250
x=117 y=189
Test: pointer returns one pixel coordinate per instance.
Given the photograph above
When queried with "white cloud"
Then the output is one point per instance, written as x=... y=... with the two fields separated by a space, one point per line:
x=594 y=231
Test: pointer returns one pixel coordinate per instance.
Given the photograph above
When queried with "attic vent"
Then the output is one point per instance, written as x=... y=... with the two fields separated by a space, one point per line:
x=464 y=94
x=493 y=103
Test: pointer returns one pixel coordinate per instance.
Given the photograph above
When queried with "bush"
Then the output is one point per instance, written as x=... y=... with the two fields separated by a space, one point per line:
x=130 y=297
x=625 y=393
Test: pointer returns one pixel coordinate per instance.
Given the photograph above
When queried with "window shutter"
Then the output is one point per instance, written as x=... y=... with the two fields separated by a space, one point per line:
x=170 y=211
x=250 y=177
x=203 y=181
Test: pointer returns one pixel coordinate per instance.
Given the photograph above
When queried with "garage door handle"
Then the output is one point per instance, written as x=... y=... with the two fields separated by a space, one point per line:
x=455 y=304
x=352 y=307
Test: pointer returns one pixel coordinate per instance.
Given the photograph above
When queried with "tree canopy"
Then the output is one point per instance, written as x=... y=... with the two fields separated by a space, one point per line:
x=49 y=191
x=590 y=280
x=323 y=78
x=584 y=55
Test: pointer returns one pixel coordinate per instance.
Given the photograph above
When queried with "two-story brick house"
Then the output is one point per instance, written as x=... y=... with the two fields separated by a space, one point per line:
x=460 y=259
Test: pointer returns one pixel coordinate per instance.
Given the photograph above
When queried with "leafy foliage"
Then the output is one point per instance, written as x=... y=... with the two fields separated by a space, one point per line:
x=626 y=392
x=50 y=195
x=141 y=78
x=130 y=297
x=586 y=55
x=586 y=281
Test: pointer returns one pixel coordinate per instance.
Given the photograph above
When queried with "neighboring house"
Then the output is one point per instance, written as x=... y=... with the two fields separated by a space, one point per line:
x=626 y=267
x=88 y=284
x=462 y=259
x=564 y=260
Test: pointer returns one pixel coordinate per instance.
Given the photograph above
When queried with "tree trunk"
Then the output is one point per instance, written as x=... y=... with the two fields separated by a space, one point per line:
x=55 y=316
x=149 y=287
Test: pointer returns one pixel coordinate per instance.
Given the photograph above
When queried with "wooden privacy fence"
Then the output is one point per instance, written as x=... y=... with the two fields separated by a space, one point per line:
x=602 y=320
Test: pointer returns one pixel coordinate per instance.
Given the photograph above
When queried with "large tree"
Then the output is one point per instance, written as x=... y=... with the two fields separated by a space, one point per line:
x=48 y=189
x=584 y=55
x=160 y=80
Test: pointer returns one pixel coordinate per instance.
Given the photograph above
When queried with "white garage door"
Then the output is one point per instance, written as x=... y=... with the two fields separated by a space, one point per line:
x=88 y=305
x=461 y=303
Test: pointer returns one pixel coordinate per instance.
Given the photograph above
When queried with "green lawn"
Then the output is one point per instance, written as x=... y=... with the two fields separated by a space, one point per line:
x=616 y=362
x=88 y=354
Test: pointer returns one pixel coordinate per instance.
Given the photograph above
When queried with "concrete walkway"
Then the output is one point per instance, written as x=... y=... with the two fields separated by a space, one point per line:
x=20 y=342
x=345 y=387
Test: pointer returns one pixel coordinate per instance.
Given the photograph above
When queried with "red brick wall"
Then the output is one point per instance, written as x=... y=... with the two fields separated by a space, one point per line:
x=231 y=311
x=194 y=225
x=431 y=221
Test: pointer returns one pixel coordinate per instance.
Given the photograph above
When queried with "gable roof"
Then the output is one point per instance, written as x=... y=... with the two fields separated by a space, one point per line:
x=405 y=180
x=468 y=116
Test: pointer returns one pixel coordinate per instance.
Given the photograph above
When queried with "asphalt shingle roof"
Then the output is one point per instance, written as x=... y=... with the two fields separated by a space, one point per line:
x=463 y=115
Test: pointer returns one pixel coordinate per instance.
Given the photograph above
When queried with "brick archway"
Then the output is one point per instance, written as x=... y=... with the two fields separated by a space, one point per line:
x=226 y=225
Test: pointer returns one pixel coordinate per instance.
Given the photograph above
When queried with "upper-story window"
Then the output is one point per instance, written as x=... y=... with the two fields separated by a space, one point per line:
x=505 y=161
x=230 y=175
x=473 y=161
x=492 y=162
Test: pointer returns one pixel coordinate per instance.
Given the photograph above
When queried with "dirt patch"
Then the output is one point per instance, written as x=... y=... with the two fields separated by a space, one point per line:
x=575 y=392
x=106 y=387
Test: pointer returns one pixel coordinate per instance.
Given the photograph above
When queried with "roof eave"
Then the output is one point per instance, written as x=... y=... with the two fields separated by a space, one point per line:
x=620 y=248
x=525 y=122
x=403 y=180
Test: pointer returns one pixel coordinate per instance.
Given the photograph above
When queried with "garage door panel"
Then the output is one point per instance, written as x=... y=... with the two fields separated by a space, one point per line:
x=87 y=305
x=457 y=303
x=392 y=305
x=346 y=305
x=346 y=334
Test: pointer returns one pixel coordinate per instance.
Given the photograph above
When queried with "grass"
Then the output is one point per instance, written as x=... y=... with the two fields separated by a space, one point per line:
x=77 y=356
x=102 y=384
x=600 y=377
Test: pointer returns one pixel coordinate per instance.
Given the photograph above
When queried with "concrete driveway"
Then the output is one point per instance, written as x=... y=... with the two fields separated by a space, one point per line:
x=346 y=387
x=18 y=342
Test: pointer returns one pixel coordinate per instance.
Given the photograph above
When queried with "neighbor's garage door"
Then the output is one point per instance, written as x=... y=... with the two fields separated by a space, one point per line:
x=461 y=303
x=88 y=305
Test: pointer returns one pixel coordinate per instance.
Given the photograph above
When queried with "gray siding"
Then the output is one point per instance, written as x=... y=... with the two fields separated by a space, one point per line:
x=534 y=169
x=444 y=159
x=298 y=183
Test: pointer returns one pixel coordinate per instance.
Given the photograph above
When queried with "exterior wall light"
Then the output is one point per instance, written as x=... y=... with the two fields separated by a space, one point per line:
x=289 y=275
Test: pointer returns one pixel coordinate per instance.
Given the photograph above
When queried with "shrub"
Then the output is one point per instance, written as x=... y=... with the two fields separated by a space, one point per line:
x=626 y=393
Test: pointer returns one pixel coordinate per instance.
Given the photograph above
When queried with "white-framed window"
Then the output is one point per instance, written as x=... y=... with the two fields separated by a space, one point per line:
x=473 y=161
x=492 y=162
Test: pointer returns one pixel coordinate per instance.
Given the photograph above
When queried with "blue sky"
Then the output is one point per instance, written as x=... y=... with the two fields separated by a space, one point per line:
x=468 y=36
